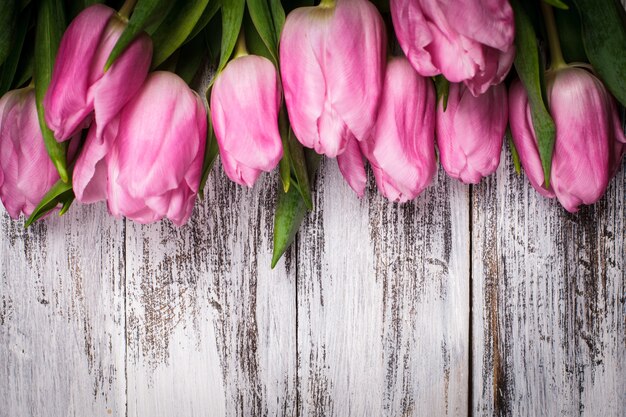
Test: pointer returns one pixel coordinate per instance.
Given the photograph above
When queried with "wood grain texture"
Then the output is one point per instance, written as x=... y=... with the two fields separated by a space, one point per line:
x=211 y=328
x=62 y=343
x=548 y=301
x=383 y=302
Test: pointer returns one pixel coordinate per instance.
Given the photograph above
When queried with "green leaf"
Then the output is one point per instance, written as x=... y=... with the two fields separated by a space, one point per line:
x=73 y=8
x=530 y=70
x=50 y=27
x=24 y=71
x=60 y=193
x=514 y=154
x=284 y=167
x=175 y=29
x=67 y=203
x=9 y=69
x=212 y=36
x=146 y=12
x=290 y=212
x=254 y=44
x=232 y=16
x=264 y=23
x=604 y=37
x=442 y=86
x=211 y=152
x=556 y=3
x=299 y=169
x=206 y=17
x=278 y=15
x=570 y=35
x=8 y=21
x=191 y=56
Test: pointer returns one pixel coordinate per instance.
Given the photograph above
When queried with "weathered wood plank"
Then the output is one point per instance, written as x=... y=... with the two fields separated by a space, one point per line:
x=211 y=328
x=548 y=301
x=62 y=347
x=383 y=302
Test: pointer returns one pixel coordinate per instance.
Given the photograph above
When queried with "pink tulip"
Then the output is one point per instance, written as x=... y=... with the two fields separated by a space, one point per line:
x=148 y=162
x=468 y=41
x=352 y=167
x=332 y=65
x=80 y=89
x=245 y=102
x=401 y=149
x=26 y=172
x=470 y=132
x=589 y=138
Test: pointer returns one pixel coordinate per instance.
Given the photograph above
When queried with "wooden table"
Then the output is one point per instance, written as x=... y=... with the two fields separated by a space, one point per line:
x=483 y=300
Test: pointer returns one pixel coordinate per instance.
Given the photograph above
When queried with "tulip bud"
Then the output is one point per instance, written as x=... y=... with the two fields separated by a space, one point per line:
x=469 y=41
x=26 y=172
x=401 y=149
x=148 y=162
x=470 y=132
x=80 y=89
x=245 y=102
x=589 y=139
x=332 y=64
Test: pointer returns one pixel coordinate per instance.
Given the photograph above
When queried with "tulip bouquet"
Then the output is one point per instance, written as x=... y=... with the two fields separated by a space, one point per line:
x=96 y=103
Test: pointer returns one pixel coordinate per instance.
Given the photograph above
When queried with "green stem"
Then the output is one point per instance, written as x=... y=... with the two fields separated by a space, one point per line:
x=556 y=56
x=240 y=48
x=327 y=3
x=127 y=8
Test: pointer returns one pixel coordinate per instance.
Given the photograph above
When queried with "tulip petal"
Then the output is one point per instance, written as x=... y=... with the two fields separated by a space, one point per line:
x=164 y=110
x=237 y=172
x=489 y=22
x=414 y=35
x=80 y=87
x=193 y=176
x=580 y=165
x=470 y=132
x=332 y=62
x=467 y=41
x=26 y=170
x=90 y=173
x=469 y=55
x=352 y=167
x=155 y=161
x=123 y=80
x=401 y=149
x=176 y=205
x=333 y=132
x=36 y=172
x=67 y=103
x=302 y=73
x=354 y=62
x=520 y=120
x=245 y=101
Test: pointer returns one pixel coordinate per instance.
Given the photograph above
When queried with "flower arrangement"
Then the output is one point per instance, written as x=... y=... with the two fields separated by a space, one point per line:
x=101 y=109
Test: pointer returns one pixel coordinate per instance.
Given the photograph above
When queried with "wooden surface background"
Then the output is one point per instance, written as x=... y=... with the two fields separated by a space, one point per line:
x=484 y=300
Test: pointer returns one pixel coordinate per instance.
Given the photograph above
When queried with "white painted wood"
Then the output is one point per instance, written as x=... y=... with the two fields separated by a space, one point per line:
x=62 y=347
x=548 y=302
x=368 y=314
x=383 y=302
x=211 y=328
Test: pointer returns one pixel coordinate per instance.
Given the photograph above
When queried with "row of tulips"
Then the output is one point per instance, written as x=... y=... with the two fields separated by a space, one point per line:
x=137 y=138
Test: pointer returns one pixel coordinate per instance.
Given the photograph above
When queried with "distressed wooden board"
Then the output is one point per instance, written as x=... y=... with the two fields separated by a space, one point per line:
x=62 y=343
x=548 y=302
x=383 y=302
x=211 y=329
